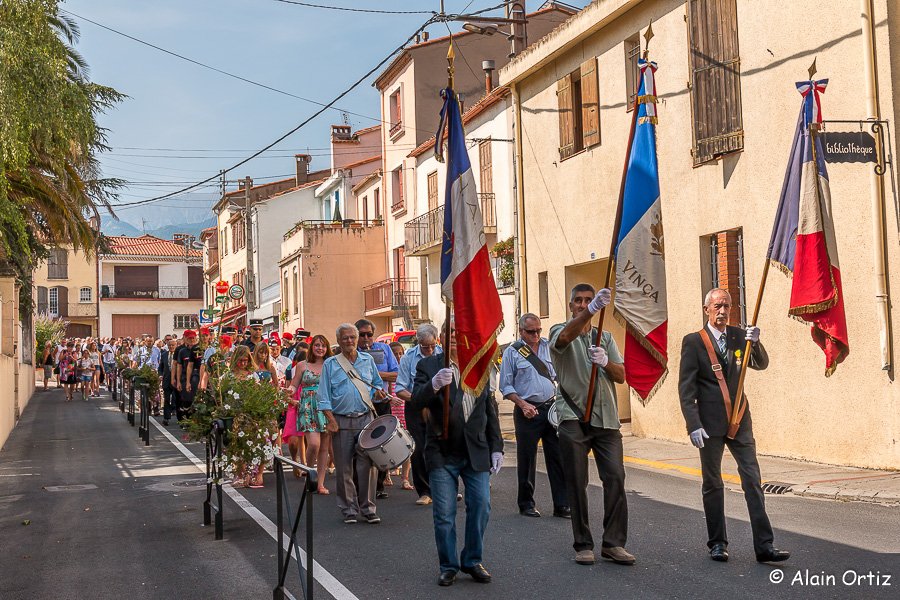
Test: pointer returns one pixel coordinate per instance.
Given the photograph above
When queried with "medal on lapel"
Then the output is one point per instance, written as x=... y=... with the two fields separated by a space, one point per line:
x=737 y=358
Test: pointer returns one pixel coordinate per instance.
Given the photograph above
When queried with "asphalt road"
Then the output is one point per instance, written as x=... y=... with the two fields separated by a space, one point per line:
x=141 y=535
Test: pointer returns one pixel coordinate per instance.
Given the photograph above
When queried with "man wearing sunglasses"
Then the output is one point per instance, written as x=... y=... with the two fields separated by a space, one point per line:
x=256 y=330
x=527 y=380
x=387 y=366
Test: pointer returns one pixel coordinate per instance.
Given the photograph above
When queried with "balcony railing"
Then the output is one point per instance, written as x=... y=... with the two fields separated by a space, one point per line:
x=162 y=292
x=395 y=128
x=504 y=267
x=71 y=309
x=396 y=294
x=328 y=224
x=424 y=232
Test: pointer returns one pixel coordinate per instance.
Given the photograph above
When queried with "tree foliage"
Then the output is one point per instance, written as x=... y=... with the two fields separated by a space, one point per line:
x=50 y=182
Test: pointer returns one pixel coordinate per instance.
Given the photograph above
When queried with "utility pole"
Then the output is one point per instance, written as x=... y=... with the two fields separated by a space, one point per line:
x=248 y=246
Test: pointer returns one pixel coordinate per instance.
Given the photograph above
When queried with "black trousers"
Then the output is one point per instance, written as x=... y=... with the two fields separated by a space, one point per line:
x=743 y=448
x=606 y=444
x=415 y=424
x=170 y=401
x=186 y=399
x=528 y=433
x=381 y=408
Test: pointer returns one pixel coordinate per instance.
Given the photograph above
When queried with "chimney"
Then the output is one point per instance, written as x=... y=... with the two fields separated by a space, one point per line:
x=488 y=66
x=425 y=36
x=418 y=39
x=303 y=161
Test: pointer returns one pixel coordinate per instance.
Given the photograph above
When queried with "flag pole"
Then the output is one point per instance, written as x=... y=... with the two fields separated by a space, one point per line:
x=446 y=430
x=589 y=407
x=739 y=400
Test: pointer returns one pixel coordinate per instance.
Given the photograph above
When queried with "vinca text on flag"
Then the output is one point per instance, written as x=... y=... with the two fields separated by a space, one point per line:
x=467 y=283
x=803 y=241
x=640 y=302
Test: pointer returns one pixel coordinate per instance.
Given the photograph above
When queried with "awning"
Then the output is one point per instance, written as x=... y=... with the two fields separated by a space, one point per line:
x=229 y=315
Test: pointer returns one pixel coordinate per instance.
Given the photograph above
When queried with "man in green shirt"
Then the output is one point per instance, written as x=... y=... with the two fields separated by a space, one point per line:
x=573 y=351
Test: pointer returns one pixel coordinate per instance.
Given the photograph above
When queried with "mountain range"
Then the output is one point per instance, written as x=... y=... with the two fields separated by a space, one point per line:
x=188 y=213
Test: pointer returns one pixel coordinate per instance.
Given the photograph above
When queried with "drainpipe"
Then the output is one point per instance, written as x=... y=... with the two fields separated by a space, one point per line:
x=876 y=182
x=520 y=205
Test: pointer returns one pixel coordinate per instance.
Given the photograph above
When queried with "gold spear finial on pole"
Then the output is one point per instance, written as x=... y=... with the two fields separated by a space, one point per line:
x=648 y=35
x=812 y=69
x=450 y=57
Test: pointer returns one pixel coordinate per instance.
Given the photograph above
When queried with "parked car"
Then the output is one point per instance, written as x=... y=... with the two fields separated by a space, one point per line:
x=406 y=338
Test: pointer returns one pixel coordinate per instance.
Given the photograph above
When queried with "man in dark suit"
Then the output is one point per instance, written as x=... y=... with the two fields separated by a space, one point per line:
x=473 y=450
x=705 y=412
x=170 y=392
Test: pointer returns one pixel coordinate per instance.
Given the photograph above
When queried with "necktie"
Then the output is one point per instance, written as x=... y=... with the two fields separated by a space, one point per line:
x=722 y=344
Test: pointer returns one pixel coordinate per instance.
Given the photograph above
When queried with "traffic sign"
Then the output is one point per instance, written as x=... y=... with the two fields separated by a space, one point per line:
x=204 y=319
x=221 y=299
x=236 y=291
x=222 y=287
x=211 y=312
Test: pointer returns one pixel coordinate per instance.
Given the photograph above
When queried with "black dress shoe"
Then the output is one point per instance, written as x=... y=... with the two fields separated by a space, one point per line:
x=530 y=512
x=381 y=495
x=773 y=555
x=718 y=553
x=447 y=578
x=563 y=512
x=478 y=573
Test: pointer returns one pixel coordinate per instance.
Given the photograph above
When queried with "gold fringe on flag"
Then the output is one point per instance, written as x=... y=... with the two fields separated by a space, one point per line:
x=647 y=99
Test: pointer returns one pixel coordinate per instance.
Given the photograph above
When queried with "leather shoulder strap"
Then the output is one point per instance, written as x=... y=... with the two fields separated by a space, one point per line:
x=532 y=358
x=717 y=369
x=357 y=380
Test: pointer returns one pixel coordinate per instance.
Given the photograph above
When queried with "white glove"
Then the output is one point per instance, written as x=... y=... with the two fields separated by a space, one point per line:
x=752 y=333
x=697 y=437
x=442 y=378
x=496 y=462
x=598 y=356
x=600 y=300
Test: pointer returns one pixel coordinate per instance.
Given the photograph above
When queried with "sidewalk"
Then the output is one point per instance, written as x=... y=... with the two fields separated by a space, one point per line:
x=780 y=475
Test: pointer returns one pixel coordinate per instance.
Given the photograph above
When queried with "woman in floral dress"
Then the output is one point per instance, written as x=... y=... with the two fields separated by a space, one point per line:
x=306 y=418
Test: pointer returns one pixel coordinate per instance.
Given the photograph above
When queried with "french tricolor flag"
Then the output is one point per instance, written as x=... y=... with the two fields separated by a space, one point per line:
x=640 y=302
x=803 y=240
x=467 y=282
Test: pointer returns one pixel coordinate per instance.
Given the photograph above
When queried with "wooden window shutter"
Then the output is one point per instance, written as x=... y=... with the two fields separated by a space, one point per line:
x=715 y=79
x=63 y=300
x=486 y=167
x=566 y=117
x=590 y=102
x=432 y=190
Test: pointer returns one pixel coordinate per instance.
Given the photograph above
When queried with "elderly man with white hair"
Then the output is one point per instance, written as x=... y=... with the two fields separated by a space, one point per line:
x=426 y=345
x=347 y=388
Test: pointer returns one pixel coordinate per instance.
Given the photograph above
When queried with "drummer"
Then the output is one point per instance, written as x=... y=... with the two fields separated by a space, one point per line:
x=527 y=380
x=347 y=405
x=387 y=366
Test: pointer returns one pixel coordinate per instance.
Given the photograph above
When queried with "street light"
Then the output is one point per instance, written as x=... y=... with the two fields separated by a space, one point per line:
x=482 y=28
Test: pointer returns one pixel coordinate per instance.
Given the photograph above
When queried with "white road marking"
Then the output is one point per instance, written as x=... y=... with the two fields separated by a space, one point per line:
x=325 y=579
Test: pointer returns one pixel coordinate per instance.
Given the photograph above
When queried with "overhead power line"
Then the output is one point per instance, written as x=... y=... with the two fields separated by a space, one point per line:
x=298 y=127
x=362 y=10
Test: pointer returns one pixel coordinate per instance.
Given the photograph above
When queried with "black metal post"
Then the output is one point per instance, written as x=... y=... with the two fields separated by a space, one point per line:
x=283 y=502
x=311 y=485
x=131 y=392
x=144 y=429
x=214 y=472
x=278 y=593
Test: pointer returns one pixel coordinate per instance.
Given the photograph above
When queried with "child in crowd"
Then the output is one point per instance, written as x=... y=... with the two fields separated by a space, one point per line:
x=67 y=367
x=86 y=373
x=397 y=409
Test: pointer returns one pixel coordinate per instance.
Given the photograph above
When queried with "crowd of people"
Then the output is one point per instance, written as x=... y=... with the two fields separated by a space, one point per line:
x=334 y=392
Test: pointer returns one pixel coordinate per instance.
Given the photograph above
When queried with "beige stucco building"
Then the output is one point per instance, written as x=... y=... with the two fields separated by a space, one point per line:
x=722 y=152
x=66 y=287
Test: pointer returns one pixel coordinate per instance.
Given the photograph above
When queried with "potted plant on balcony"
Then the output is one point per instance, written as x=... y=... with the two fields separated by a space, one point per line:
x=504 y=248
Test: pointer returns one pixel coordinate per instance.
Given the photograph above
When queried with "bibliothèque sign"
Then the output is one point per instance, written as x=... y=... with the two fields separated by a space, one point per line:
x=854 y=147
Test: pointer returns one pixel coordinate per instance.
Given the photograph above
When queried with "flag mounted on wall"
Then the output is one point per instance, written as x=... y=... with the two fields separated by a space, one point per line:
x=803 y=241
x=467 y=282
x=640 y=302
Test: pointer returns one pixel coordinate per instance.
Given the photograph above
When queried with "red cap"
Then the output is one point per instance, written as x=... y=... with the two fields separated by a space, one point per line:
x=190 y=333
x=274 y=336
x=204 y=331
x=226 y=341
x=287 y=336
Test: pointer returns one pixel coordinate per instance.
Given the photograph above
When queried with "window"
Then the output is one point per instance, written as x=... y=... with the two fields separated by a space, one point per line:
x=225 y=240
x=377 y=193
x=432 y=190
x=365 y=210
x=296 y=292
x=486 y=168
x=578 y=95
x=397 y=189
x=632 y=71
x=395 y=113
x=58 y=265
x=186 y=322
x=715 y=79
x=85 y=294
x=238 y=240
x=286 y=292
x=725 y=269
x=400 y=263
x=543 y=296
x=53 y=294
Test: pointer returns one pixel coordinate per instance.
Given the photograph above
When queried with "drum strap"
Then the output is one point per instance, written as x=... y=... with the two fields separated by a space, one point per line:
x=525 y=350
x=356 y=379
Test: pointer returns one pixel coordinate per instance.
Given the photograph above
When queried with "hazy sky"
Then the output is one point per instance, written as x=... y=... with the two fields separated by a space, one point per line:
x=183 y=123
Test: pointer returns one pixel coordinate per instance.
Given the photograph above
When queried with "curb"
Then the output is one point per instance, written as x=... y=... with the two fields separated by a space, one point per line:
x=847 y=495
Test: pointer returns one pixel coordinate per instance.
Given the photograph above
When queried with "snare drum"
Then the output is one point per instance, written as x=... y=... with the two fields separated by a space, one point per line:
x=386 y=443
x=553 y=416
